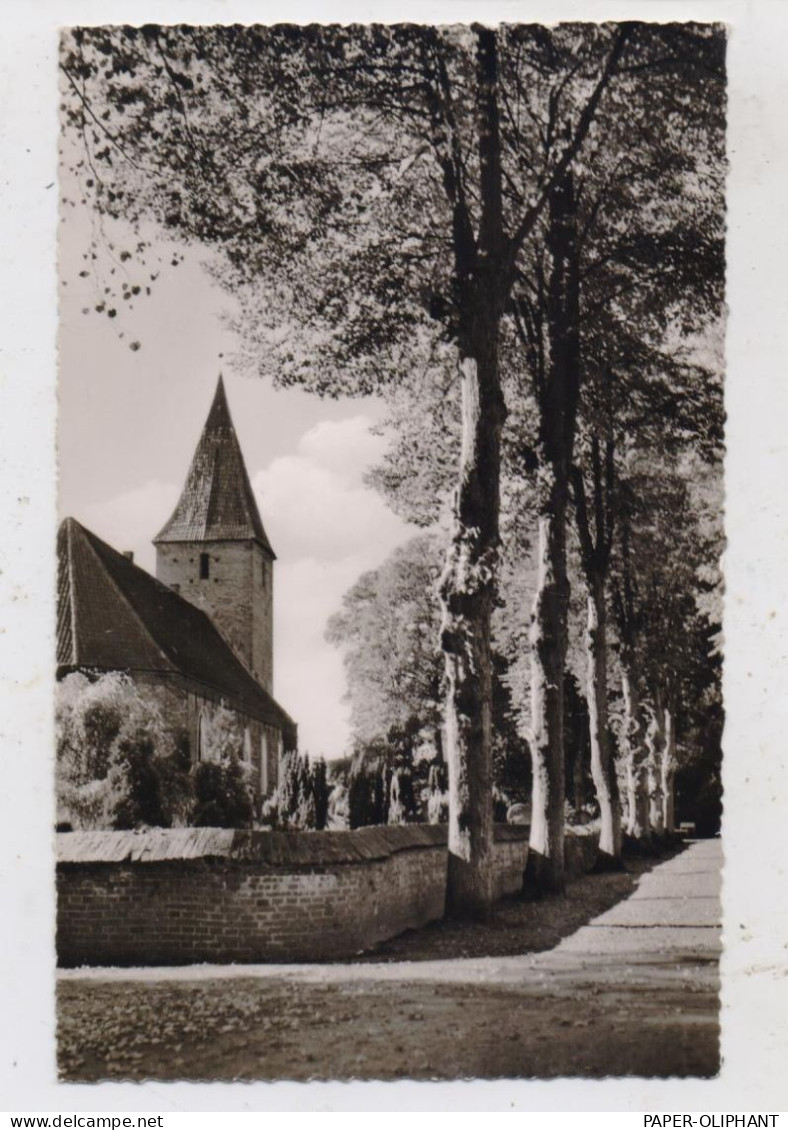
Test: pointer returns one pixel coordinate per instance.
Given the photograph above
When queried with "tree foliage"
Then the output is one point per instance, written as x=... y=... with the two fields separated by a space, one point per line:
x=355 y=147
x=514 y=235
x=221 y=735
x=388 y=629
x=117 y=765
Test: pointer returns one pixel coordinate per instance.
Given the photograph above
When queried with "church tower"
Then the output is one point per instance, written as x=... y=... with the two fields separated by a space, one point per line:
x=214 y=550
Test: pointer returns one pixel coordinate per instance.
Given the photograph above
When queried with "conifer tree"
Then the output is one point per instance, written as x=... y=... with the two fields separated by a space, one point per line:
x=320 y=792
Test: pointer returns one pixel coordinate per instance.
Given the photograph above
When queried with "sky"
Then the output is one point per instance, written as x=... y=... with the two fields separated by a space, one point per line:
x=130 y=418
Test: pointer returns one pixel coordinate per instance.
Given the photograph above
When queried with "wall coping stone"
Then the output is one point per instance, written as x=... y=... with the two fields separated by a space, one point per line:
x=305 y=849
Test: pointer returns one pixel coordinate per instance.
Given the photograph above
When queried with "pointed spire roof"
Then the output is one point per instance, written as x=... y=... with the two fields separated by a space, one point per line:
x=217 y=503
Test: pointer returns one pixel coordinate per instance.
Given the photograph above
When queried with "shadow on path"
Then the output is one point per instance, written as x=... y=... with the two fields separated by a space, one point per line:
x=521 y=925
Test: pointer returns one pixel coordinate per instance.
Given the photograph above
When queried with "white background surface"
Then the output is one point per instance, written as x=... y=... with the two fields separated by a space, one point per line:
x=755 y=1048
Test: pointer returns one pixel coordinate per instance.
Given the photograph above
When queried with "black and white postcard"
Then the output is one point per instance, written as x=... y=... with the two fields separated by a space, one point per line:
x=407 y=688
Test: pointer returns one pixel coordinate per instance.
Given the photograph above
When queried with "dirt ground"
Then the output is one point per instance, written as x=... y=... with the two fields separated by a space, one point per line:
x=248 y=1029
x=635 y=992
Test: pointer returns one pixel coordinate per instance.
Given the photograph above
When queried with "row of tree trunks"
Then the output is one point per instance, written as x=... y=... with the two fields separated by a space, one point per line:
x=484 y=270
x=649 y=757
x=483 y=285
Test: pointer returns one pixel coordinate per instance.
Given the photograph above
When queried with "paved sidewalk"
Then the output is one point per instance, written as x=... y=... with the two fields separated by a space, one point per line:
x=675 y=913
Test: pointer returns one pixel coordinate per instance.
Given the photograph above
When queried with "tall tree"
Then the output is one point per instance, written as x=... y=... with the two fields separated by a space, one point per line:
x=631 y=244
x=666 y=589
x=596 y=541
x=388 y=629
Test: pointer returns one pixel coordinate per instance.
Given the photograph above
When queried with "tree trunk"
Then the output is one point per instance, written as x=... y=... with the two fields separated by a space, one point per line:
x=469 y=577
x=636 y=758
x=624 y=792
x=655 y=745
x=467 y=590
x=578 y=797
x=548 y=639
x=603 y=770
x=668 y=771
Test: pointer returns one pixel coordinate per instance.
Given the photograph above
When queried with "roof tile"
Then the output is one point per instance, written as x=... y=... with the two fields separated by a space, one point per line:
x=112 y=615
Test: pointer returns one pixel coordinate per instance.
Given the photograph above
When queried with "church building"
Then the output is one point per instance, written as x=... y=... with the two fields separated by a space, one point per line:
x=200 y=634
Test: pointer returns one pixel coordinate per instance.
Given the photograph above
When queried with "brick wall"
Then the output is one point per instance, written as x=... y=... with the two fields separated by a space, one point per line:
x=510 y=854
x=192 y=895
x=580 y=849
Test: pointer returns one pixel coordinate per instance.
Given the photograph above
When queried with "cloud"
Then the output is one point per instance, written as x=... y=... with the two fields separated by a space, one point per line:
x=327 y=529
x=309 y=677
x=314 y=503
x=347 y=447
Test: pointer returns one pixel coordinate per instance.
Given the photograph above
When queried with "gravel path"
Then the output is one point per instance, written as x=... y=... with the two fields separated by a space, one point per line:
x=633 y=992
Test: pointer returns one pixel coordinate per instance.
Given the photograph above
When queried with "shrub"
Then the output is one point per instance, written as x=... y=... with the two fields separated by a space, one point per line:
x=221 y=795
x=158 y=792
x=116 y=764
x=302 y=797
x=321 y=791
x=402 y=807
x=221 y=736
